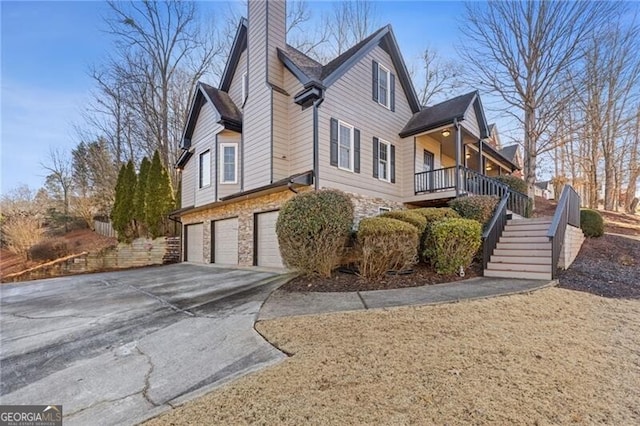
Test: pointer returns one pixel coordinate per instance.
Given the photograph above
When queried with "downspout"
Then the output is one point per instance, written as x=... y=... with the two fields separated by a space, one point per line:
x=316 y=143
x=458 y=144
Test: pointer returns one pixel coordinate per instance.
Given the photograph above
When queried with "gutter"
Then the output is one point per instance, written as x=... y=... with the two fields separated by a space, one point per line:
x=316 y=143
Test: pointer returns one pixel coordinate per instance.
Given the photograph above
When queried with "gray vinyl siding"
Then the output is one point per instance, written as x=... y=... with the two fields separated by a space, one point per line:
x=300 y=125
x=471 y=122
x=280 y=136
x=235 y=89
x=189 y=182
x=349 y=99
x=276 y=38
x=203 y=139
x=225 y=189
x=257 y=110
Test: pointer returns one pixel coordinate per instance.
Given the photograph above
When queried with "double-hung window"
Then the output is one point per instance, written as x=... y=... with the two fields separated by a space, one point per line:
x=204 y=169
x=228 y=163
x=383 y=160
x=345 y=146
x=384 y=90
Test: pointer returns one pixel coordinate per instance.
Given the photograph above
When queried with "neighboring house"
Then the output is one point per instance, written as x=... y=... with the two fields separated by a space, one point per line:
x=280 y=123
x=544 y=189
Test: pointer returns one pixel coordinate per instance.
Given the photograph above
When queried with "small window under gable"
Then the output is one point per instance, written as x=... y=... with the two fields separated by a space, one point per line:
x=204 y=169
x=384 y=86
x=228 y=163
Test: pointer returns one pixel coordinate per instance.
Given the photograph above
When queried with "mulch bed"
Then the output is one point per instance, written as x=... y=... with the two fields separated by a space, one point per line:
x=341 y=282
x=608 y=266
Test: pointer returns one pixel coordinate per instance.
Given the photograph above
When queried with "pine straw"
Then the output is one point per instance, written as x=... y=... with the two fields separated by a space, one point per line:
x=553 y=357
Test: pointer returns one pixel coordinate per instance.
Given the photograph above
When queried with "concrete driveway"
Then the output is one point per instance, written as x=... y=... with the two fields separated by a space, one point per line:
x=120 y=347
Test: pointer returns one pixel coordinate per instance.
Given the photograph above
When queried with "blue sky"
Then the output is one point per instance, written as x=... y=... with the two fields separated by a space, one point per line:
x=47 y=49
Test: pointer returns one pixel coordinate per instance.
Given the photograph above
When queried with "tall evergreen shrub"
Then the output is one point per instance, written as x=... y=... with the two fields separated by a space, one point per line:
x=159 y=199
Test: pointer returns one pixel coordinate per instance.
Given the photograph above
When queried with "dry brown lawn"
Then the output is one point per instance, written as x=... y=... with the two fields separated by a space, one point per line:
x=552 y=357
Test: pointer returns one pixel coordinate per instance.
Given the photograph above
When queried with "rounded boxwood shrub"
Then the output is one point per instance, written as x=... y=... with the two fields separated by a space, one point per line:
x=386 y=244
x=476 y=207
x=456 y=242
x=313 y=229
x=432 y=215
x=415 y=219
x=513 y=182
x=591 y=223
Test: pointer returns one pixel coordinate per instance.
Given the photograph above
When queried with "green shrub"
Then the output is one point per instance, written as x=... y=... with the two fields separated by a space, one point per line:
x=48 y=250
x=513 y=182
x=477 y=207
x=408 y=216
x=386 y=244
x=591 y=223
x=432 y=215
x=456 y=242
x=313 y=229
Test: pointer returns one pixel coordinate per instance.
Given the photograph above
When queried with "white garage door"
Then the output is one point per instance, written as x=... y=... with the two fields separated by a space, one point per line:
x=226 y=241
x=195 y=239
x=267 y=240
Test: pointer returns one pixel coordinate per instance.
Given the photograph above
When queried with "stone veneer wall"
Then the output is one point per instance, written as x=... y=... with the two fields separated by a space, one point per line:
x=573 y=239
x=245 y=209
x=140 y=252
x=369 y=206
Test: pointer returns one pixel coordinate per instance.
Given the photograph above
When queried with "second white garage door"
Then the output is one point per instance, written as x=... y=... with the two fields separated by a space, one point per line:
x=268 y=251
x=226 y=241
x=193 y=246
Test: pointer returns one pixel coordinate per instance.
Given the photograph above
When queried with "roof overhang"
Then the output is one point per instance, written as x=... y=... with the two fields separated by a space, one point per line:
x=289 y=183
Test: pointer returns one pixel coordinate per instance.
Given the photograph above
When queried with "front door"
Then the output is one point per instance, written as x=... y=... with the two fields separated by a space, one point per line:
x=427 y=166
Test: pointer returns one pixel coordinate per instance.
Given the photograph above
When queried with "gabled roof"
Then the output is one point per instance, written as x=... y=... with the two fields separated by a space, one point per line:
x=544 y=185
x=442 y=114
x=509 y=152
x=230 y=115
x=310 y=72
x=238 y=46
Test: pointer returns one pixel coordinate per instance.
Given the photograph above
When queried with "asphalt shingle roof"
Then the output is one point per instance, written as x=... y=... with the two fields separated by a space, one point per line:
x=223 y=103
x=438 y=115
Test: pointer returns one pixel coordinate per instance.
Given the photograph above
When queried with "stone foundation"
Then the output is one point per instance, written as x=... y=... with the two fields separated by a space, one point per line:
x=573 y=239
x=244 y=210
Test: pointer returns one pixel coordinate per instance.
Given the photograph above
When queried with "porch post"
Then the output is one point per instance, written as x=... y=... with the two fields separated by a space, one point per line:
x=458 y=146
x=480 y=162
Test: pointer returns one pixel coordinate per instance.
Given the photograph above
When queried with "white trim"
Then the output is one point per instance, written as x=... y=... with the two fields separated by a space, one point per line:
x=387 y=103
x=201 y=169
x=351 y=145
x=383 y=210
x=235 y=163
x=387 y=161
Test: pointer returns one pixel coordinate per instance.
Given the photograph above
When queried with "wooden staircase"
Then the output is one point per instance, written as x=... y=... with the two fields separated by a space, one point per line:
x=523 y=251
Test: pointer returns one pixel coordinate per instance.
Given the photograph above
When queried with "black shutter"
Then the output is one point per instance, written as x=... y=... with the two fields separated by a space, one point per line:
x=393 y=164
x=334 y=142
x=392 y=95
x=375 y=157
x=374 y=79
x=356 y=150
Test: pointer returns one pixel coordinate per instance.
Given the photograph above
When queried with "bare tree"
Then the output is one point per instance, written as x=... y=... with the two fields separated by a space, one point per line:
x=162 y=51
x=60 y=178
x=522 y=51
x=633 y=164
x=611 y=81
x=435 y=77
x=350 y=22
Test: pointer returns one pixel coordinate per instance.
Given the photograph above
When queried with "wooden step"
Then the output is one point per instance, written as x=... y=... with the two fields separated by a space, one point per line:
x=531 y=220
x=523 y=258
x=510 y=232
x=523 y=240
x=518 y=274
x=520 y=267
x=522 y=252
x=524 y=246
x=526 y=226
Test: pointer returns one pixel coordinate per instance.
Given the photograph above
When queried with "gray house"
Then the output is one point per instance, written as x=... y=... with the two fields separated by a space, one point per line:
x=280 y=123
